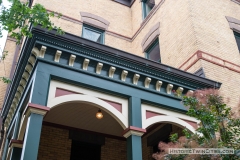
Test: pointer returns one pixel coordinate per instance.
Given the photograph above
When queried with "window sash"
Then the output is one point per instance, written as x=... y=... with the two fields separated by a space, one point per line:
x=92 y=33
x=237 y=37
x=150 y=48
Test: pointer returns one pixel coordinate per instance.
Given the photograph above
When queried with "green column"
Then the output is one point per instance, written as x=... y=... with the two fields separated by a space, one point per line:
x=134 y=112
x=134 y=147
x=32 y=137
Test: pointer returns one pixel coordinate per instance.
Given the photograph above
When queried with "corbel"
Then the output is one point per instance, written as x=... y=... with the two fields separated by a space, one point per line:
x=18 y=95
x=20 y=89
x=169 y=88
x=35 y=51
x=32 y=60
x=180 y=90
x=71 y=60
x=111 y=71
x=29 y=68
x=85 y=63
x=23 y=82
x=135 y=78
x=57 y=56
x=147 y=82
x=42 y=51
x=124 y=75
x=26 y=75
x=99 y=68
x=158 y=85
x=190 y=92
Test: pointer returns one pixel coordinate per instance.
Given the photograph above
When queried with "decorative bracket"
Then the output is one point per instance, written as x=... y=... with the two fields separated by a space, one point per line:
x=71 y=60
x=18 y=95
x=20 y=89
x=135 y=78
x=124 y=75
x=29 y=68
x=85 y=63
x=57 y=56
x=147 y=82
x=32 y=60
x=111 y=72
x=26 y=75
x=99 y=68
x=190 y=92
x=158 y=85
x=180 y=90
x=42 y=51
x=23 y=82
x=169 y=88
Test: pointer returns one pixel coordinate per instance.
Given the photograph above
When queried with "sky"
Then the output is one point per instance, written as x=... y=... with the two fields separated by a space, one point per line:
x=3 y=39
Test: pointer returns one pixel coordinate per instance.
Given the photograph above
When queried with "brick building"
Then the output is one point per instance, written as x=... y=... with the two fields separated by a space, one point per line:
x=121 y=59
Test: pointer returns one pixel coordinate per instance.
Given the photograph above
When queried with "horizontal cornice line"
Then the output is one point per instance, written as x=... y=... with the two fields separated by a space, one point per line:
x=200 y=55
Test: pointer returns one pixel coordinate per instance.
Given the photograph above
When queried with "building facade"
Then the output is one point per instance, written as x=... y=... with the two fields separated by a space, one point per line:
x=121 y=59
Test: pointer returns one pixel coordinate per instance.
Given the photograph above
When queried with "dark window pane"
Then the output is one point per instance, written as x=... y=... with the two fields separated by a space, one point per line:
x=237 y=36
x=154 y=53
x=200 y=73
x=147 y=6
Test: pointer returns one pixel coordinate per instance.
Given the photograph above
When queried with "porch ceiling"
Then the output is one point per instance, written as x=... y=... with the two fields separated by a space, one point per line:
x=83 y=116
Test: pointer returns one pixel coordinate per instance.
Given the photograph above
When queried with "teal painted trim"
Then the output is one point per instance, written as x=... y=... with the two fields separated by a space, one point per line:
x=134 y=112
x=17 y=124
x=32 y=137
x=5 y=149
x=134 y=148
x=20 y=104
x=40 y=88
x=88 y=80
x=16 y=153
x=144 y=14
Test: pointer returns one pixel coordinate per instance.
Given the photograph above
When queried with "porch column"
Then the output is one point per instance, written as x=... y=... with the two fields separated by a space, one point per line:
x=134 y=112
x=34 y=115
x=134 y=142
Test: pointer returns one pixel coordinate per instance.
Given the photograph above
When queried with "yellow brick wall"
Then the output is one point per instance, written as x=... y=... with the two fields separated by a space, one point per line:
x=212 y=29
x=229 y=79
x=5 y=67
x=56 y=145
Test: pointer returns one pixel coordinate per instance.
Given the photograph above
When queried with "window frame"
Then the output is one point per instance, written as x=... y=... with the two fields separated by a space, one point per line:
x=151 y=47
x=96 y=30
x=237 y=34
x=144 y=9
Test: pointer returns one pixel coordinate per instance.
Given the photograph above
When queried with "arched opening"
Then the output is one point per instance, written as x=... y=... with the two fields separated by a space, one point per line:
x=71 y=126
x=159 y=129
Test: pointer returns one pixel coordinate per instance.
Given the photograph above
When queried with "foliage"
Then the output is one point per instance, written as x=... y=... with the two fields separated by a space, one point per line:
x=5 y=80
x=18 y=18
x=218 y=128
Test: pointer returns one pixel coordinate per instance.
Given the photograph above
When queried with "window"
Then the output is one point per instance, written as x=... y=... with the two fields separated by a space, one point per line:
x=237 y=36
x=153 y=51
x=147 y=6
x=94 y=34
x=200 y=73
